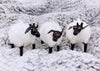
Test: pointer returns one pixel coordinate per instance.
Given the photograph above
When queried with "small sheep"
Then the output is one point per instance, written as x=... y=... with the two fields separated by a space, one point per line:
x=78 y=32
x=51 y=33
x=18 y=37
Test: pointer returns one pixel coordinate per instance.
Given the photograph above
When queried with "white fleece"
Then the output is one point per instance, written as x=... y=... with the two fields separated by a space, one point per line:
x=83 y=36
x=17 y=35
x=48 y=38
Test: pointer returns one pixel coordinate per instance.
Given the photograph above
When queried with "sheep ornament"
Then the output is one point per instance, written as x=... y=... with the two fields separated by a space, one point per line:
x=51 y=34
x=78 y=32
x=21 y=35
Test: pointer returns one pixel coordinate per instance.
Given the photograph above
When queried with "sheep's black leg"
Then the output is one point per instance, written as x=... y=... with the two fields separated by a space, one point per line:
x=12 y=45
x=33 y=46
x=72 y=46
x=42 y=42
x=50 y=49
x=21 y=50
x=58 y=48
x=85 y=47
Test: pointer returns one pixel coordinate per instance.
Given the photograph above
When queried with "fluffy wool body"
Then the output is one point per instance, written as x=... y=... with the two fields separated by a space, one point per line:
x=48 y=38
x=83 y=36
x=17 y=35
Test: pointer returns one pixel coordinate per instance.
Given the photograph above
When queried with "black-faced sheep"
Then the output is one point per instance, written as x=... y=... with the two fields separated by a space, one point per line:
x=21 y=35
x=51 y=33
x=78 y=32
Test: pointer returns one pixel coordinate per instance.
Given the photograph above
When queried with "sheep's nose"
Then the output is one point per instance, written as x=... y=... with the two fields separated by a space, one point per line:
x=55 y=39
x=37 y=35
x=75 y=33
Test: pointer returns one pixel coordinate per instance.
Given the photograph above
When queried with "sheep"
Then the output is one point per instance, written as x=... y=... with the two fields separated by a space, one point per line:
x=51 y=34
x=78 y=32
x=18 y=37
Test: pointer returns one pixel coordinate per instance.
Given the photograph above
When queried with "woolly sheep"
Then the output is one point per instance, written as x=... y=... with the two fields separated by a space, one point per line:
x=18 y=37
x=78 y=32
x=51 y=34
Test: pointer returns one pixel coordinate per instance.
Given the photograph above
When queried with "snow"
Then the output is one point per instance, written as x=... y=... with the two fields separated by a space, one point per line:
x=34 y=2
x=40 y=60
x=61 y=11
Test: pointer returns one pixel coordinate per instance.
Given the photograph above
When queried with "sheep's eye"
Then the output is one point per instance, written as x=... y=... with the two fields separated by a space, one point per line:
x=33 y=29
x=58 y=34
x=54 y=32
x=75 y=27
x=79 y=27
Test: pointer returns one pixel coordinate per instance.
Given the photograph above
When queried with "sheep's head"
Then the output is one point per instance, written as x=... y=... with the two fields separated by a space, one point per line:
x=56 y=34
x=77 y=28
x=33 y=29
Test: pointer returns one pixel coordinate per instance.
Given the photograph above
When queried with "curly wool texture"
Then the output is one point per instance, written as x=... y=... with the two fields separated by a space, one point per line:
x=83 y=36
x=17 y=35
x=48 y=38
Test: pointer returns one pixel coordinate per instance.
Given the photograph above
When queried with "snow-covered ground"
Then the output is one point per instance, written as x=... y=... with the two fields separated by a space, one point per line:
x=61 y=11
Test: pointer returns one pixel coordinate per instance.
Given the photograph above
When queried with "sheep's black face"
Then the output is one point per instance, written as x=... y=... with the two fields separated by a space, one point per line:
x=56 y=35
x=34 y=30
x=77 y=29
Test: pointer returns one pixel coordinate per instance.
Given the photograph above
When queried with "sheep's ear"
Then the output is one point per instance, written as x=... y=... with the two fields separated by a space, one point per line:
x=30 y=25
x=63 y=29
x=50 y=31
x=77 y=24
x=27 y=30
x=33 y=24
x=85 y=27
x=37 y=25
x=81 y=24
x=70 y=27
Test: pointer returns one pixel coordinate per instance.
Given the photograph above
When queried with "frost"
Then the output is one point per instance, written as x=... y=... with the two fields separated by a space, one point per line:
x=61 y=11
